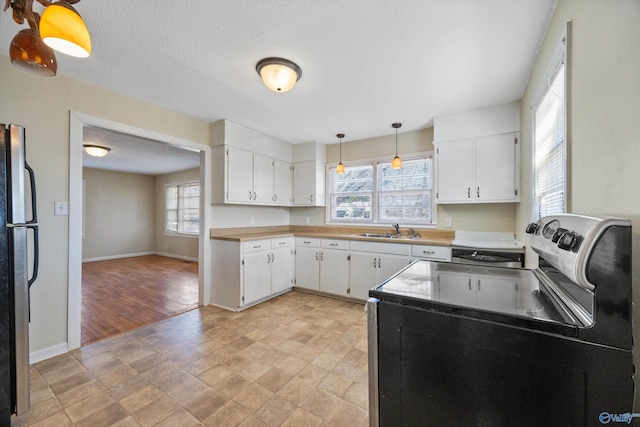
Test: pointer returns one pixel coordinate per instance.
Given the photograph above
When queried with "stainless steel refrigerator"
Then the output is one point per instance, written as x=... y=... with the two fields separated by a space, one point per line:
x=18 y=269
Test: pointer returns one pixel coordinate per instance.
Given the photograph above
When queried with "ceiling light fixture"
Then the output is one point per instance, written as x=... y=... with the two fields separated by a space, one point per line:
x=60 y=28
x=96 y=150
x=340 y=167
x=396 y=163
x=278 y=74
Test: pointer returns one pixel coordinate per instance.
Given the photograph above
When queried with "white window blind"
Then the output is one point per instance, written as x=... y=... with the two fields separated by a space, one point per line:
x=183 y=208
x=549 y=145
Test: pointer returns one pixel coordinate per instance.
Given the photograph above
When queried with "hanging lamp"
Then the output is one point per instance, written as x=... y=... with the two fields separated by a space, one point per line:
x=340 y=167
x=62 y=29
x=396 y=163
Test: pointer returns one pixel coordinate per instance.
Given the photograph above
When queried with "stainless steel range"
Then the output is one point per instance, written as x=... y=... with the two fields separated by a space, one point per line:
x=455 y=344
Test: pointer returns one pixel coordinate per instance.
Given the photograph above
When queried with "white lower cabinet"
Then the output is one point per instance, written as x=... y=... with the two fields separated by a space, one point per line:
x=248 y=272
x=373 y=263
x=334 y=267
x=307 y=263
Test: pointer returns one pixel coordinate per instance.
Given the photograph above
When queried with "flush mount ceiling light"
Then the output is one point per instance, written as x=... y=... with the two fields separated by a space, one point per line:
x=60 y=28
x=96 y=150
x=396 y=163
x=340 y=167
x=278 y=74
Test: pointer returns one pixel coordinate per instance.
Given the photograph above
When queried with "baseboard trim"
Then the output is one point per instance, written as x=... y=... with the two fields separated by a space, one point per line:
x=107 y=258
x=48 y=353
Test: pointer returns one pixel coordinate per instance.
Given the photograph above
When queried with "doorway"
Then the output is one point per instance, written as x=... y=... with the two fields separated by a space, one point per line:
x=79 y=124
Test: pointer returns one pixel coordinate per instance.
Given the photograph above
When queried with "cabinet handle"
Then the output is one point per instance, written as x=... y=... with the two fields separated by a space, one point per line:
x=333 y=244
x=478 y=192
x=311 y=198
x=428 y=252
x=478 y=284
x=468 y=192
x=273 y=257
x=257 y=247
x=469 y=284
x=321 y=256
x=254 y=195
x=250 y=195
x=281 y=243
x=379 y=262
x=268 y=258
x=275 y=197
x=306 y=242
x=316 y=256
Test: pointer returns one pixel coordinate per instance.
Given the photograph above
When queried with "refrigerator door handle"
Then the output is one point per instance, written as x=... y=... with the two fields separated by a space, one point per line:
x=36 y=253
x=34 y=211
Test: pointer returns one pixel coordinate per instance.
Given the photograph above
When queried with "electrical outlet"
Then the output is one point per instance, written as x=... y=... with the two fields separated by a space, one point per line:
x=252 y=220
x=307 y=220
x=447 y=222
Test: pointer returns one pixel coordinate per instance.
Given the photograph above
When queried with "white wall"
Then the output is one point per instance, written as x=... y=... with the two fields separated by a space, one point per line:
x=119 y=214
x=604 y=117
x=183 y=247
x=42 y=105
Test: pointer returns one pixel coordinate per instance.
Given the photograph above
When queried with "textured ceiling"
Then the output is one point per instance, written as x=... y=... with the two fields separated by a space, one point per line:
x=365 y=63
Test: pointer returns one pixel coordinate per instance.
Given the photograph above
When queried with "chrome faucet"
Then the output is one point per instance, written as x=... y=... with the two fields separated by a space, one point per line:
x=397 y=227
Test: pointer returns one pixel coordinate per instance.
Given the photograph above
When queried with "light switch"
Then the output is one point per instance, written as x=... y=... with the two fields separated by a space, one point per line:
x=61 y=208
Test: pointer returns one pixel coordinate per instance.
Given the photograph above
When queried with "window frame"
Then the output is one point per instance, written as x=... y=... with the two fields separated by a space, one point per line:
x=179 y=184
x=375 y=209
x=559 y=58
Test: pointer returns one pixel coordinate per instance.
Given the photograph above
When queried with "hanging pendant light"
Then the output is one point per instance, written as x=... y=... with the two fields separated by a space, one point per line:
x=340 y=167
x=62 y=28
x=396 y=163
x=29 y=53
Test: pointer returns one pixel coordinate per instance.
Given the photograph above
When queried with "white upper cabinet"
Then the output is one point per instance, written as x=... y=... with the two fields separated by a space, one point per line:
x=250 y=168
x=478 y=156
x=480 y=170
x=309 y=174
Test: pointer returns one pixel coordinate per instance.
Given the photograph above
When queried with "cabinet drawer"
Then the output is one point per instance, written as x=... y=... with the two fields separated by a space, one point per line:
x=440 y=253
x=255 y=246
x=307 y=241
x=285 y=242
x=383 y=248
x=335 y=244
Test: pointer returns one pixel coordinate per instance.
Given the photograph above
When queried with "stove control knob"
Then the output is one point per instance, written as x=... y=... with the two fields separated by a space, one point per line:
x=558 y=234
x=568 y=241
x=532 y=228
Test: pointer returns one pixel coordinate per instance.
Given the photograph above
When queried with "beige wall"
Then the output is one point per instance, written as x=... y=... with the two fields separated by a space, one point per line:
x=478 y=217
x=175 y=246
x=119 y=214
x=42 y=105
x=604 y=117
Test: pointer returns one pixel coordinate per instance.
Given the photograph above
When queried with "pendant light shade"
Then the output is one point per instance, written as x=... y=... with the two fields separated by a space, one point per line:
x=278 y=74
x=340 y=167
x=62 y=28
x=396 y=163
x=29 y=53
x=96 y=150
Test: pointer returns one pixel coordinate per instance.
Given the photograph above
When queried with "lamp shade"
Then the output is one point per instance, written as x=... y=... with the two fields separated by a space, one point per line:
x=396 y=163
x=96 y=150
x=340 y=168
x=62 y=28
x=29 y=53
x=278 y=74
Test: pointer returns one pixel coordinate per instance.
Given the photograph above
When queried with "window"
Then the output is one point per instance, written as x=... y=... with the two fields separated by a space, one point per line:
x=549 y=141
x=183 y=208
x=376 y=193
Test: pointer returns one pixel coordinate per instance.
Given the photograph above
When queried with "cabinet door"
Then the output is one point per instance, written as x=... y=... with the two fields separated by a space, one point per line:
x=304 y=176
x=334 y=271
x=282 y=183
x=496 y=168
x=281 y=268
x=239 y=175
x=388 y=265
x=363 y=274
x=256 y=276
x=456 y=171
x=262 y=179
x=458 y=289
x=308 y=267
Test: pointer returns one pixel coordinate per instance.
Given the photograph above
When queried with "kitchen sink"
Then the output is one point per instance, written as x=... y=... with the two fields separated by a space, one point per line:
x=386 y=236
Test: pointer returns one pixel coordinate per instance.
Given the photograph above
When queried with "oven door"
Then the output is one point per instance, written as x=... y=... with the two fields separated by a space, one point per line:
x=488 y=258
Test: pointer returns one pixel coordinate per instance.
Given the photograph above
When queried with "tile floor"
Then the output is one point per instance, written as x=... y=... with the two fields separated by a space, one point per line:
x=297 y=360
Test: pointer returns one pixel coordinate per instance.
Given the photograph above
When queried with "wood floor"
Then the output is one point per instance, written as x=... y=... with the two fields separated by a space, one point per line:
x=124 y=294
